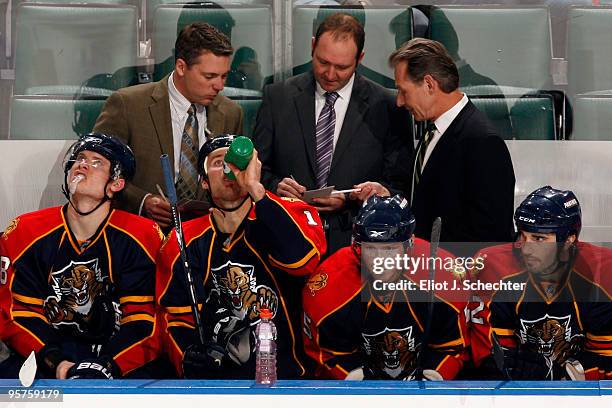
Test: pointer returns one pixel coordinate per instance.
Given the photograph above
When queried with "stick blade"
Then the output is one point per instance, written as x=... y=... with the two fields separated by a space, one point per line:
x=27 y=373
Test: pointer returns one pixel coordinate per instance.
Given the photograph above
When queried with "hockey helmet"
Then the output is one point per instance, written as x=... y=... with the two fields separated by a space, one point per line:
x=384 y=219
x=212 y=144
x=121 y=157
x=548 y=210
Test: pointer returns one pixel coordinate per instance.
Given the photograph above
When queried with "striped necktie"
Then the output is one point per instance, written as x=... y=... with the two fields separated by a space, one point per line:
x=187 y=184
x=324 y=134
x=420 y=158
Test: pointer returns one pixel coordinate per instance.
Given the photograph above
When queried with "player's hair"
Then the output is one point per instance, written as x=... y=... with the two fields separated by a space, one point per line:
x=197 y=38
x=427 y=57
x=342 y=26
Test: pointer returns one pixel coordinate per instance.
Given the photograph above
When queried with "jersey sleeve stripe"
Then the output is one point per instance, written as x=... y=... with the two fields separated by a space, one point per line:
x=23 y=313
x=180 y=323
x=136 y=299
x=503 y=332
x=28 y=300
x=295 y=265
x=138 y=317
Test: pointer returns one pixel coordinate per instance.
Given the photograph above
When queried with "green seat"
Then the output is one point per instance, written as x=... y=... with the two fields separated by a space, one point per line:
x=65 y=46
x=250 y=107
x=511 y=46
x=386 y=28
x=593 y=117
x=531 y=117
x=52 y=117
x=589 y=49
x=250 y=31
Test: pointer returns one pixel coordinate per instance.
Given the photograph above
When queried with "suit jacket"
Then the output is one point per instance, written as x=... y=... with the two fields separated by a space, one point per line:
x=375 y=142
x=468 y=181
x=140 y=116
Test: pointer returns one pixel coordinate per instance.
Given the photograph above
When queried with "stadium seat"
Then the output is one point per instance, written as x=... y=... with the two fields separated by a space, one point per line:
x=593 y=116
x=249 y=112
x=249 y=28
x=589 y=51
x=507 y=46
x=386 y=28
x=52 y=117
x=531 y=117
x=61 y=47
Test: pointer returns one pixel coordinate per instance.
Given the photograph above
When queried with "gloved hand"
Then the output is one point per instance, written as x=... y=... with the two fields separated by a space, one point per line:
x=231 y=334
x=95 y=368
x=523 y=364
x=205 y=361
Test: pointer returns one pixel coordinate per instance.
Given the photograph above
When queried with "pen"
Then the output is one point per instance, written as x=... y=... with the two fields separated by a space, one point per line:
x=350 y=190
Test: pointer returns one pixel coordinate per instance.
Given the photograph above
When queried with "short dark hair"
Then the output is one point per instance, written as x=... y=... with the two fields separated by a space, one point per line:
x=197 y=38
x=422 y=57
x=341 y=26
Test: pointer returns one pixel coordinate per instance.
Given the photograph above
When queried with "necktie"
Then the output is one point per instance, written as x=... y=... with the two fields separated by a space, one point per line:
x=324 y=134
x=420 y=159
x=187 y=184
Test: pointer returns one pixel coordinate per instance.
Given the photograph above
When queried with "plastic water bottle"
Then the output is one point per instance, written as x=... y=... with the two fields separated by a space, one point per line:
x=265 y=349
x=239 y=154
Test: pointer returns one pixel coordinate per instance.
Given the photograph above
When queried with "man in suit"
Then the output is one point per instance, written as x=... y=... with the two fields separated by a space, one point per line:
x=173 y=116
x=462 y=170
x=333 y=127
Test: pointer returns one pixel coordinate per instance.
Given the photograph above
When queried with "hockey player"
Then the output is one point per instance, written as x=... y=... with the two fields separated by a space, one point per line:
x=252 y=251
x=556 y=320
x=354 y=328
x=77 y=282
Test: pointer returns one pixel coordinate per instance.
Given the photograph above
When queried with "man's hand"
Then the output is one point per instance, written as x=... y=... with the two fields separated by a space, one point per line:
x=332 y=203
x=249 y=179
x=157 y=208
x=288 y=187
x=368 y=189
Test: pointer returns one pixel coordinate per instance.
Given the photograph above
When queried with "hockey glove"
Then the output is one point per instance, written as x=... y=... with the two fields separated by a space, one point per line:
x=205 y=361
x=95 y=369
x=522 y=364
x=48 y=358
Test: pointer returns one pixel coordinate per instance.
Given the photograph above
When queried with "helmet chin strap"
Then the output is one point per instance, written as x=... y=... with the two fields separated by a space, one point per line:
x=69 y=198
x=213 y=204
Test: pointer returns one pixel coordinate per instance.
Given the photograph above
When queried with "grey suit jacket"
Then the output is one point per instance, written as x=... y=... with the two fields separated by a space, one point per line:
x=375 y=142
x=140 y=116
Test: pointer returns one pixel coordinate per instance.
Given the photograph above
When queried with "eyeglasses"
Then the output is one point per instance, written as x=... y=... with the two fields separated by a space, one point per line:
x=95 y=163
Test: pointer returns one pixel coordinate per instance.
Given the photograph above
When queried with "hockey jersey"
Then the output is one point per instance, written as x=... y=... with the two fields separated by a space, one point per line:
x=348 y=325
x=52 y=287
x=263 y=264
x=574 y=321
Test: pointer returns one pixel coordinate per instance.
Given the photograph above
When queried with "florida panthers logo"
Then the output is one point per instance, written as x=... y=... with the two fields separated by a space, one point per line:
x=237 y=284
x=75 y=289
x=316 y=282
x=392 y=351
x=550 y=336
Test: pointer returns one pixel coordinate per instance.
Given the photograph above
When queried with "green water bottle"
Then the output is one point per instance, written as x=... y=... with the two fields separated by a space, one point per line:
x=239 y=154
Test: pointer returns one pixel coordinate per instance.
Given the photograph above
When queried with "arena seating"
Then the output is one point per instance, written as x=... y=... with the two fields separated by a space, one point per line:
x=589 y=53
x=593 y=116
x=53 y=117
x=63 y=46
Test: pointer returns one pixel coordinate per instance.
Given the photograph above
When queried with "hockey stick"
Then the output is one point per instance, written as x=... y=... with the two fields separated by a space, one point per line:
x=178 y=227
x=431 y=275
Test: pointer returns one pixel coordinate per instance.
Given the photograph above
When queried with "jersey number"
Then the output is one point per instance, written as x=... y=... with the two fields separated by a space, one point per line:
x=311 y=220
x=470 y=314
x=4 y=265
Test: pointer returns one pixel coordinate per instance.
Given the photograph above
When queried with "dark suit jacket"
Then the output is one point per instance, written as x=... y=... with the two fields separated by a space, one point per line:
x=468 y=181
x=375 y=142
x=140 y=116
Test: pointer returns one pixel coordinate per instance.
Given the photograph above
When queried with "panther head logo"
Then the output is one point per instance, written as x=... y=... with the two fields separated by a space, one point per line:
x=235 y=280
x=550 y=335
x=393 y=351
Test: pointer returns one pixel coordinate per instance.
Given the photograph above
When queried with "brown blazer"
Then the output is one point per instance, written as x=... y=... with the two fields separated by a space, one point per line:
x=140 y=116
